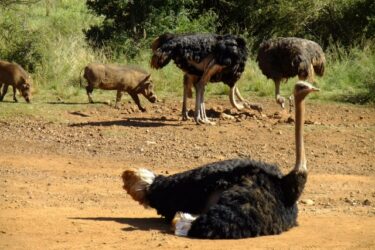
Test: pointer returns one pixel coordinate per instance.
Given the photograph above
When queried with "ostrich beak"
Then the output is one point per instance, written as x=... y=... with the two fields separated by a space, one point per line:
x=314 y=89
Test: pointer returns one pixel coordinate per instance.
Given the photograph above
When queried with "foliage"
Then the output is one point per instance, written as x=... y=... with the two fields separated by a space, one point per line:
x=49 y=39
x=351 y=75
x=18 y=43
x=343 y=22
x=348 y=23
x=9 y=3
x=52 y=47
x=129 y=25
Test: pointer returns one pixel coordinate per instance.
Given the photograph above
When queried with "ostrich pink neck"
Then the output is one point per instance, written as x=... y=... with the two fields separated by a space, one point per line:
x=300 y=148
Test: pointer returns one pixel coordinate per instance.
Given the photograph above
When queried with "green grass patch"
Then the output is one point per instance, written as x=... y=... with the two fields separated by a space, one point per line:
x=54 y=50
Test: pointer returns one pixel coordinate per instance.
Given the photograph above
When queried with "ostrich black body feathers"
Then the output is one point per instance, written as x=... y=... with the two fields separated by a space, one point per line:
x=227 y=50
x=235 y=198
x=252 y=198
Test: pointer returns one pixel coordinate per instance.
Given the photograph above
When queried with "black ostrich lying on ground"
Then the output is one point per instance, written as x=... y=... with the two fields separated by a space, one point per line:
x=232 y=199
x=203 y=58
x=285 y=57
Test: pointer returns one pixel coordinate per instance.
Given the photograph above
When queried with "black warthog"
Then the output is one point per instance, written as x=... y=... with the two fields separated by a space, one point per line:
x=121 y=78
x=14 y=75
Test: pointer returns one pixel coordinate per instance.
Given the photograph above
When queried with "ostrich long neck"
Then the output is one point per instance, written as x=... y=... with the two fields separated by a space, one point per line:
x=300 y=166
x=294 y=182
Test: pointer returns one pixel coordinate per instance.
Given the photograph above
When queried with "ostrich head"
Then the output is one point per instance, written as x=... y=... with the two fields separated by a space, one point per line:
x=301 y=90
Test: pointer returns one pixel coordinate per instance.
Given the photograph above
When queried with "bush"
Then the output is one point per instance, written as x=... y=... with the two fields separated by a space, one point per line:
x=349 y=76
x=52 y=47
x=18 y=42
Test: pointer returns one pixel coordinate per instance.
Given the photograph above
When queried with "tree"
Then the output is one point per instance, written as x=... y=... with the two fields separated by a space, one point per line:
x=8 y=3
x=130 y=23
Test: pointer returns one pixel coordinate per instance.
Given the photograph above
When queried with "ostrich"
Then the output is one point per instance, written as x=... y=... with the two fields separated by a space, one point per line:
x=285 y=57
x=235 y=198
x=204 y=58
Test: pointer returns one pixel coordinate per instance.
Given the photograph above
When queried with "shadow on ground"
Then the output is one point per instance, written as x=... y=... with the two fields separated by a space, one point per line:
x=144 y=224
x=130 y=122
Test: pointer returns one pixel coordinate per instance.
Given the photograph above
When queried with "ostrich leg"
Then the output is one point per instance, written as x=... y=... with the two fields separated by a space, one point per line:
x=235 y=92
x=189 y=82
x=200 y=109
x=279 y=99
x=200 y=112
x=185 y=115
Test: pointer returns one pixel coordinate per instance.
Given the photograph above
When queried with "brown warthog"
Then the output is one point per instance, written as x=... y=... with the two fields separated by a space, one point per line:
x=121 y=78
x=13 y=74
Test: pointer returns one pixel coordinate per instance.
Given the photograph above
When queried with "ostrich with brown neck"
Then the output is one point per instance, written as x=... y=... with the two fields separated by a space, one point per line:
x=235 y=198
x=284 y=57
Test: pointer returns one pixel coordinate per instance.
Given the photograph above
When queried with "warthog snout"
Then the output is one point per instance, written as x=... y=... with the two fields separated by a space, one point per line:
x=152 y=98
x=26 y=91
x=26 y=95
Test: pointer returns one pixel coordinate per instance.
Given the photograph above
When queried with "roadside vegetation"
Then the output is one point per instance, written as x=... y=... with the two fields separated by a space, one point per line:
x=54 y=40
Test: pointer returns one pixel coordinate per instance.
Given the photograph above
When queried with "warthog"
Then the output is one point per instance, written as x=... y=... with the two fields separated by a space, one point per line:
x=121 y=78
x=14 y=75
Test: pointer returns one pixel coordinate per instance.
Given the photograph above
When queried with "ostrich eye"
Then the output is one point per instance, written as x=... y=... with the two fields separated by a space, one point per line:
x=300 y=87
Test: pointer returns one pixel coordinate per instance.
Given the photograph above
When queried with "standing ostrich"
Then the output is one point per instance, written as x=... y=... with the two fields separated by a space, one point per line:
x=233 y=198
x=285 y=57
x=203 y=58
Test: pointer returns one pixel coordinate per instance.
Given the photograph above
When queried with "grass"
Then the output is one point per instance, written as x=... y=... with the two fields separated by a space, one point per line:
x=352 y=77
x=59 y=44
x=50 y=107
x=348 y=78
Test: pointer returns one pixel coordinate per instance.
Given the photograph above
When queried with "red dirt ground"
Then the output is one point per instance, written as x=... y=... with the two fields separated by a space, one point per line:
x=61 y=188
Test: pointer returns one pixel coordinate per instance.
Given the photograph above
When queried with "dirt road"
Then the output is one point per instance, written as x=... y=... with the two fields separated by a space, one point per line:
x=60 y=185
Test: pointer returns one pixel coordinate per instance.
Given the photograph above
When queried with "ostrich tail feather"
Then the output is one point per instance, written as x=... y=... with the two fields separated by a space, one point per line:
x=136 y=183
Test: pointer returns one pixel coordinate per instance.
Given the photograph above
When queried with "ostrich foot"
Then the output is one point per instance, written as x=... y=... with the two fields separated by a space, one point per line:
x=280 y=100
x=200 y=117
x=181 y=223
x=204 y=121
x=185 y=116
x=254 y=106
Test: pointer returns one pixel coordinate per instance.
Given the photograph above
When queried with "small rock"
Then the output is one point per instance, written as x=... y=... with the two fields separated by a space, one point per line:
x=350 y=201
x=218 y=108
x=226 y=116
x=308 y=202
x=150 y=142
x=366 y=202
x=277 y=115
x=290 y=120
